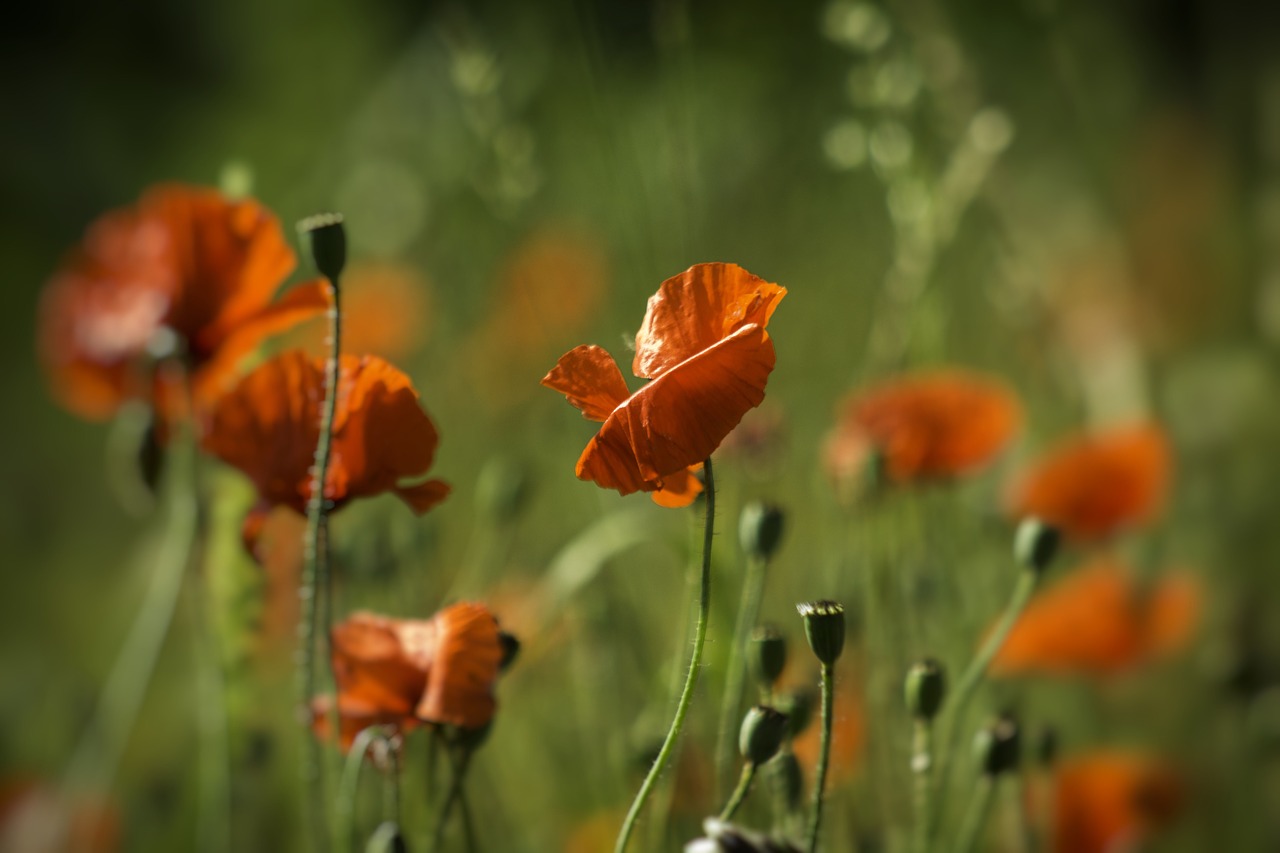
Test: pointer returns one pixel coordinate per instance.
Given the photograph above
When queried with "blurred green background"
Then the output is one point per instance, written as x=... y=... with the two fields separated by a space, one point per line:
x=1083 y=198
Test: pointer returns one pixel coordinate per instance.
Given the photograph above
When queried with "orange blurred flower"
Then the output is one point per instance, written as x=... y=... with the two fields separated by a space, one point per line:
x=927 y=426
x=1100 y=620
x=1093 y=485
x=1106 y=801
x=704 y=346
x=269 y=424
x=35 y=818
x=185 y=259
x=407 y=672
x=386 y=311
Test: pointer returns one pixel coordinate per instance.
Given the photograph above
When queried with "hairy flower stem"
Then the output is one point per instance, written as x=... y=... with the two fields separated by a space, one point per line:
x=740 y=793
x=824 y=757
x=315 y=583
x=969 y=683
x=922 y=769
x=748 y=613
x=691 y=680
x=976 y=816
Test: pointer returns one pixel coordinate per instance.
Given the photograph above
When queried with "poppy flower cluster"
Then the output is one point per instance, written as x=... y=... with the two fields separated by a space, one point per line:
x=705 y=348
x=269 y=424
x=1112 y=800
x=410 y=672
x=186 y=259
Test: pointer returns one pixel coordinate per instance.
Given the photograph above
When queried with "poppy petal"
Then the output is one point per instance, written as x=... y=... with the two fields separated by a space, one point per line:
x=465 y=665
x=679 y=489
x=423 y=496
x=591 y=381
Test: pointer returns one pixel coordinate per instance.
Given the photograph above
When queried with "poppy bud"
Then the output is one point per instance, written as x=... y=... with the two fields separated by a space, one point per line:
x=762 y=733
x=327 y=239
x=760 y=529
x=502 y=489
x=769 y=653
x=510 y=650
x=1036 y=544
x=723 y=837
x=788 y=777
x=387 y=838
x=998 y=746
x=798 y=706
x=824 y=626
x=925 y=688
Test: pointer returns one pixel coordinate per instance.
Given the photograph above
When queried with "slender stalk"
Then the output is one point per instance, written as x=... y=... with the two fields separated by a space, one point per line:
x=691 y=680
x=976 y=816
x=349 y=784
x=740 y=792
x=315 y=582
x=454 y=795
x=970 y=681
x=922 y=769
x=735 y=677
x=824 y=756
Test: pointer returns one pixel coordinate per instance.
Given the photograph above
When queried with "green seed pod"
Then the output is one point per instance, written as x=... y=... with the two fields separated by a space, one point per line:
x=760 y=529
x=788 y=777
x=824 y=626
x=387 y=838
x=326 y=238
x=998 y=746
x=762 y=733
x=768 y=653
x=1036 y=544
x=798 y=706
x=924 y=689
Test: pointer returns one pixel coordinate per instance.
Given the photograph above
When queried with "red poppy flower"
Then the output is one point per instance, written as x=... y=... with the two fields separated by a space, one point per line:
x=407 y=672
x=1099 y=620
x=704 y=346
x=182 y=258
x=1108 y=801
x=928 y=426
x=1094 y=485
x=269 y=424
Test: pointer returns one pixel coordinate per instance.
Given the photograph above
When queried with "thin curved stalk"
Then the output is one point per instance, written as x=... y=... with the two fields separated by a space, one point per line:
x=976 y=817
x=691 y=680
x=740 y=792
x=735 y=677
x=824 y=758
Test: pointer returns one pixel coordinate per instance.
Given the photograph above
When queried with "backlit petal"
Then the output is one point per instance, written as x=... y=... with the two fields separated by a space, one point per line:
x=591 y=381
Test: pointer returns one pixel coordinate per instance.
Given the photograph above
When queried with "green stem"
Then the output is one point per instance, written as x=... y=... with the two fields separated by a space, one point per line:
x=740 y=793
x=454 y=795
x=349 y=783
x=970 y=681
x=824 y=756
x=691 y=680
x=922 y=768
x=731 y=704
x=976 y=817
x=315 y=582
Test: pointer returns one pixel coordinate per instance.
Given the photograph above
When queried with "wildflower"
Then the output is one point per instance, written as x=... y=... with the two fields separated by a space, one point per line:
x=1107 y=801
x=704 y=346
x=182 y=258
x=1094 y=485
x=928 y=426
x=407 y=672
x=269 y=424
x=1099 y=620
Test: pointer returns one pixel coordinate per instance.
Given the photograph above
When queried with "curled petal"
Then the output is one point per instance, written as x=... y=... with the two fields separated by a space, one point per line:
x=464 y=668
x=591 y=381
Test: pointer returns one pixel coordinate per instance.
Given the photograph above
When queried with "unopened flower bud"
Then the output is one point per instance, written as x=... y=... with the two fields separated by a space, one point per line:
x=824 y=626
x=768 y=653
x=998 y=746
x=798 y=706
x=723 y=837
x=924 y=689
x=1036 y=544
x=387 y=838
x=760 y=529
x=327 y=239
x=788 y=777
x=762 y=733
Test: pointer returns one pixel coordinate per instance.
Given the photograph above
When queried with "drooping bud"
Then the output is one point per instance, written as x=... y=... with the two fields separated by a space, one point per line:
x=998 y=746
x=768 y=653
x=824 y=627
x=326 y=238
x=1036 y=544
x=798 y=706
x=788 y=777
x=387 y=838
x=760 y=529
x=924 y=689
x=762 y=733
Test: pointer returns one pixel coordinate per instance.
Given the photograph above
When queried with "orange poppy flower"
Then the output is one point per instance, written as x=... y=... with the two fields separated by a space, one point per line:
x=704 y=346
x=1099 y=620
x=1108 y=801
x=1094 y=485
x=407 y=672
x=269 y=424
x=35 y=818
x=182 y=258
x=928 y=426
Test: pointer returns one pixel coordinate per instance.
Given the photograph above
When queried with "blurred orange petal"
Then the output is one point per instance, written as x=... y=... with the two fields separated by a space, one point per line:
x=1092 y=486
x=1108 y=801
x=679 y=489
